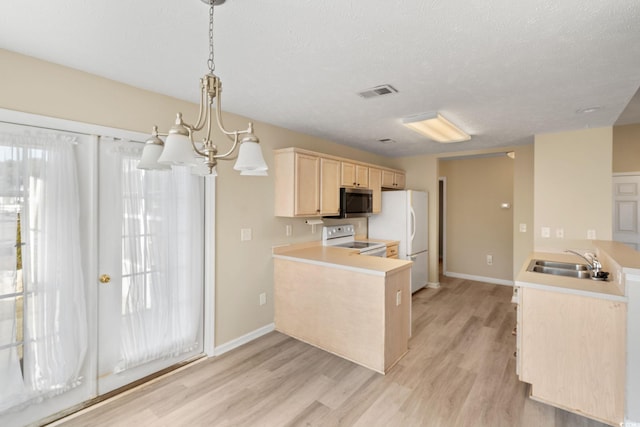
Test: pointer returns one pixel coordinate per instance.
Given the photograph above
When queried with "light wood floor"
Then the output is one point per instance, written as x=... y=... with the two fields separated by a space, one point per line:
x=460 y=371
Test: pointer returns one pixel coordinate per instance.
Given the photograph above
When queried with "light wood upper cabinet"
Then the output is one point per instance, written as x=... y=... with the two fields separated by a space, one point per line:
x=362 y=176
x=329 y=186
x=308 y=184
x=375 y=184
x=354 y=175
x=347 y=174
x=392 y=179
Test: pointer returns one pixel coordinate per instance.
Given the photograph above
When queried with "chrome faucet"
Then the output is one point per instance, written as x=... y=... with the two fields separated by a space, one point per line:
x=592 y=262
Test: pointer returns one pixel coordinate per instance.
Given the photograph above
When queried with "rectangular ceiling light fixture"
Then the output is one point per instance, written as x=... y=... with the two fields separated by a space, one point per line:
x=436 y=127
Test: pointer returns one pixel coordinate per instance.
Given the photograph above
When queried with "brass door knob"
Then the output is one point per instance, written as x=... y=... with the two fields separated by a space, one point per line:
x=105 y=278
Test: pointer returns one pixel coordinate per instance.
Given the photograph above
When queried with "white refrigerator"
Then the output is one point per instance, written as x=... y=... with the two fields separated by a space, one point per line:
x=404 y=218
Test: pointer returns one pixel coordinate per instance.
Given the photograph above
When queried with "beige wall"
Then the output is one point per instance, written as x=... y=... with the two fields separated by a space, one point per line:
x=476 y=225
x=572 y=187
x=243 y=269
x=522 y=205
x=626 y=148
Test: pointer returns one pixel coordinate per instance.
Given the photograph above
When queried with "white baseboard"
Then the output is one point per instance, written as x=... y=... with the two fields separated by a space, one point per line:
x=628 y=423
x=230 y=345
x=433 y=285
x=492 y=280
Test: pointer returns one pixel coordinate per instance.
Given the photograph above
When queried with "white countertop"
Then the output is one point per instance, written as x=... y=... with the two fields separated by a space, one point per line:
x=343 y=258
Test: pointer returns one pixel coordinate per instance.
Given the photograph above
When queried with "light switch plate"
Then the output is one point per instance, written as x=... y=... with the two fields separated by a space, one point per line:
x=591 y=234
x=546 y=232
x=523 y=228
x=245 y=234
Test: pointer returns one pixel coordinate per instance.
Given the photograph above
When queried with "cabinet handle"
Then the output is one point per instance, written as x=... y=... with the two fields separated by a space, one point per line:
x=515 y=331
x=105 y=278
x=354 y=183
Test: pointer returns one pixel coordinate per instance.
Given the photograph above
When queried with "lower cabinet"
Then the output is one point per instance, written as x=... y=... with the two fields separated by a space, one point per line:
x=392 y=250
x=362 y=317
x=573 y=352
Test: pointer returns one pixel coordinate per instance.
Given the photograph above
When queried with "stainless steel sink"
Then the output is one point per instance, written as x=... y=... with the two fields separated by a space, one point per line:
x=557 y=264
x=568 y=269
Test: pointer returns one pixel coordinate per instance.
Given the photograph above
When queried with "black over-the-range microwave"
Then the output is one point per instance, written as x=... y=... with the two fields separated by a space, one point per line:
x=355 y=202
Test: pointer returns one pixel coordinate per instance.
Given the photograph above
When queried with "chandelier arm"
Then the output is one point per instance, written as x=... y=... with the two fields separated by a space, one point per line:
x=193 y=144
x=203 y=107
x=219 y=116
x=231 y=150
x=209 y=121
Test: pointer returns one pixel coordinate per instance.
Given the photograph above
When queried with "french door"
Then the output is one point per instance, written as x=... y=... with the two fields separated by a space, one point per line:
x=139 y=232
x=150 y=255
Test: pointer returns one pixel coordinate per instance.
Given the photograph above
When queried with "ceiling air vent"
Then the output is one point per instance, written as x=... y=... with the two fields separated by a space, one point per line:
x=378 y=91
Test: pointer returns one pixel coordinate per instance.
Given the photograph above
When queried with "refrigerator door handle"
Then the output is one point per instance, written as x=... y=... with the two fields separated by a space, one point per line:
x=413 y=223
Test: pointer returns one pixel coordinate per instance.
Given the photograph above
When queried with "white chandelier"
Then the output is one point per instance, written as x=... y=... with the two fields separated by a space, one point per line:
x=180 y=147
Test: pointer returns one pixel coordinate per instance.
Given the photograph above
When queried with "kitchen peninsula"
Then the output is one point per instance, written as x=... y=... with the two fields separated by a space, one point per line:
x=355 y=306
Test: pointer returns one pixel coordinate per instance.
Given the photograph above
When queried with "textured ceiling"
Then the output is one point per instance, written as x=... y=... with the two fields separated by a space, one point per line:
x=503 y=70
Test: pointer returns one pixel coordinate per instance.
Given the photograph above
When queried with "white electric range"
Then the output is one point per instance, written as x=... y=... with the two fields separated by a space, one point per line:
x=343 y=236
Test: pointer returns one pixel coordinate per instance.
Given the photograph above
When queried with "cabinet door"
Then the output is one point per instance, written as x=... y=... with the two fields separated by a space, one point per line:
x=375 y=184
x=362 y=176
x=307 y=185
x=392 y=251
x=348 y=174
x=329 y=187
x=399 y=179
x=388 y=179
x=573 y=352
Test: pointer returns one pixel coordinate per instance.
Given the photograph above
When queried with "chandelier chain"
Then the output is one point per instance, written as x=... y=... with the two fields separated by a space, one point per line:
x=210 y=62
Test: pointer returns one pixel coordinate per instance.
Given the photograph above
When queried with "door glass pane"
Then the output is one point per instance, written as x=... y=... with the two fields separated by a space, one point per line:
x=154 y=256
x=43 y=323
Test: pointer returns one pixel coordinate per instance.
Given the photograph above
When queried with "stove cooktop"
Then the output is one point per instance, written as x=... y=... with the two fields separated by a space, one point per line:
x=357 y=245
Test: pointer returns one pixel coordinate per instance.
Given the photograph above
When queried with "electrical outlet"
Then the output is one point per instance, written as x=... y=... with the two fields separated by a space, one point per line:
x=489 y=259
x=245 y=234
x=560 y=233
x=263 y=298
x=545 y=232
x=398 y=298
x=591 y=234
x=288 y=230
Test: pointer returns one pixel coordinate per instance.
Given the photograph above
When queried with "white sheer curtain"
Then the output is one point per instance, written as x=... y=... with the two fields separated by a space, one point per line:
x=46 y=308
x=162 y=256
